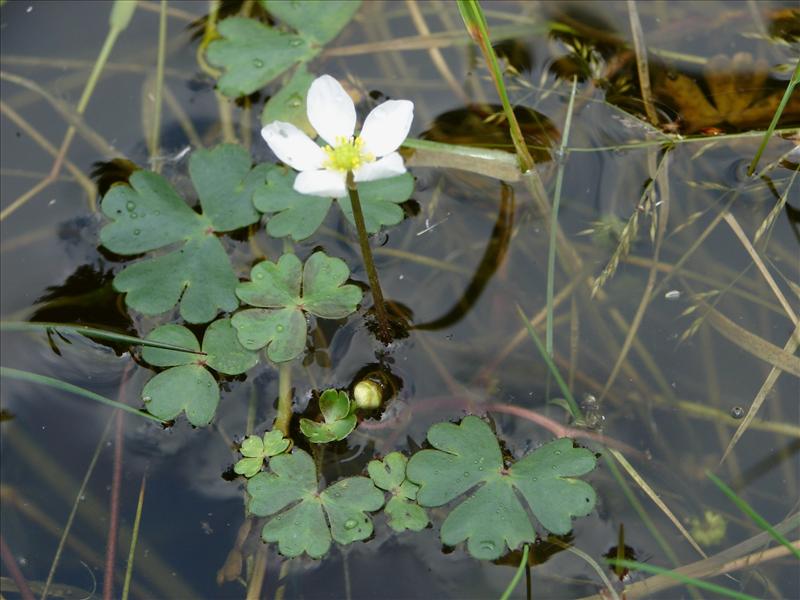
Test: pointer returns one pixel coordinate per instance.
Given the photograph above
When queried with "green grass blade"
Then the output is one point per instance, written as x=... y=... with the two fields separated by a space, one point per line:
x=91 y=332
x=518 y=575
x=703 y=585
x=551 y=253
x=752 y=514
x=562 y=385
x=73 y=389
x=478 y=29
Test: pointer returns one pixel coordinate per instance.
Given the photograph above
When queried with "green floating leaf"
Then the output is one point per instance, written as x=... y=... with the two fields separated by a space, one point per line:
x=290 y=492
x=319 y=21
x=390 y=475
x=289 y=104
x=340 y=421
x=468 y=455
x=283 y=291
x=149 y=214
x=187 y=385
x=255 y=449
x=380 y=201
x=253 y=54
x=299 y=215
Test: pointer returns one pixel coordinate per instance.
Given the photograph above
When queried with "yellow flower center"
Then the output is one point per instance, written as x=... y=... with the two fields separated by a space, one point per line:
x=347 y=155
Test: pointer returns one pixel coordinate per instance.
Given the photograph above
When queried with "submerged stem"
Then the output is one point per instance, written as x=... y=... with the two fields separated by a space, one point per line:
x=384 y=331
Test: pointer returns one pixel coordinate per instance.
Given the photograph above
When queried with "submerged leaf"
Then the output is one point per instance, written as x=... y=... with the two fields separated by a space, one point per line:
x=492 y=517
x=290 y=493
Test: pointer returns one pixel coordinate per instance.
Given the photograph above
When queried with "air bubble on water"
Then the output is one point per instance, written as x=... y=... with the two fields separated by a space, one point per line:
x=672 y=295
x=737 y=412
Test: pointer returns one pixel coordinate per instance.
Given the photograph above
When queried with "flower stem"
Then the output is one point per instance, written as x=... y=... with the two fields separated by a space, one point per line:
x=384 y=331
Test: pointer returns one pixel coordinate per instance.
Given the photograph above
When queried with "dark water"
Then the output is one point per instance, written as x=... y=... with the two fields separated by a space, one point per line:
x=475 y=249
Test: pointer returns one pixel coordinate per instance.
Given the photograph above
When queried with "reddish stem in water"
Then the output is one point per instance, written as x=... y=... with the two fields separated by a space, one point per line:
x=116 y=483
x=13 y=569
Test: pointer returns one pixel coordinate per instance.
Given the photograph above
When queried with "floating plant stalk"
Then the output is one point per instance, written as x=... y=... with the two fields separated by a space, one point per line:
x=384 y=331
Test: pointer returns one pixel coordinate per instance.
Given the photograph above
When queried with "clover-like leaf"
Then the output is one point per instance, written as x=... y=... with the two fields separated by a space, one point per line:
x=299 y=216
x=390 y=475
x=253 y=54
x=187 y=385
x=149 y=214
x=290 y=493
x=283 y=291
x=380 y=201
x=255 y=449
x=340 y=421
x=316 y=20
x=493 y=518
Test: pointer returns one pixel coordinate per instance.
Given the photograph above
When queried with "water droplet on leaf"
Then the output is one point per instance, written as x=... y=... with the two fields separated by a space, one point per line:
x=350 y=524
x=258 y=63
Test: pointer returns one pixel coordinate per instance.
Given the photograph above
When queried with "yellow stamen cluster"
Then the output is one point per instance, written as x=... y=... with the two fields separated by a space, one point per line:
x=347 y=155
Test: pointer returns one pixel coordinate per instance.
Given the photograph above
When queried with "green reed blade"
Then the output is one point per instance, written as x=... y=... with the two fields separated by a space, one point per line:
x=92 y=332
x=475 y=22
x=778 y=112
x=752 y=514
x=698 y=583
x=73 y=389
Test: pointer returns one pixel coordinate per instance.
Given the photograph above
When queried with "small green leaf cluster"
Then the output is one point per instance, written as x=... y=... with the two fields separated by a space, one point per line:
x=339 y=419
x=256 y=449
x=464 y=459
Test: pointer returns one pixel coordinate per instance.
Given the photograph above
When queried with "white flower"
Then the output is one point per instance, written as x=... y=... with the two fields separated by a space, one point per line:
x=371 y=155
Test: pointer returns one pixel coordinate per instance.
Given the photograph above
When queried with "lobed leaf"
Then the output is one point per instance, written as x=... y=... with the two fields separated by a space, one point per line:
x=319 y=21
x=279 y=323
x=468 y=456
x=253 y=54
x=149 y=214
x=288 y=494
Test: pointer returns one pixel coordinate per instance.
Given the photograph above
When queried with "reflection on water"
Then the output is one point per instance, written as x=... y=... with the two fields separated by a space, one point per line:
x=455 y=270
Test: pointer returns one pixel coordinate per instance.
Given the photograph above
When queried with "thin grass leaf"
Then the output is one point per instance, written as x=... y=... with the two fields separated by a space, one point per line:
x=786 y=95
x=776 y=210
x=703 y=585
x=91 y=332
x=562 y=385
x=517 y=576
x=655 y=498
x=752 y=514
x=766 y=387
x=73 y=389
x=551 y=251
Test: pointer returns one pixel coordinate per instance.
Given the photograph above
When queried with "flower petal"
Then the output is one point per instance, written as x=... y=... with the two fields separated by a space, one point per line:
x=388 y=166
x=326 y=183
x=387 y=126
x=330 y=110
x=292 y=146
